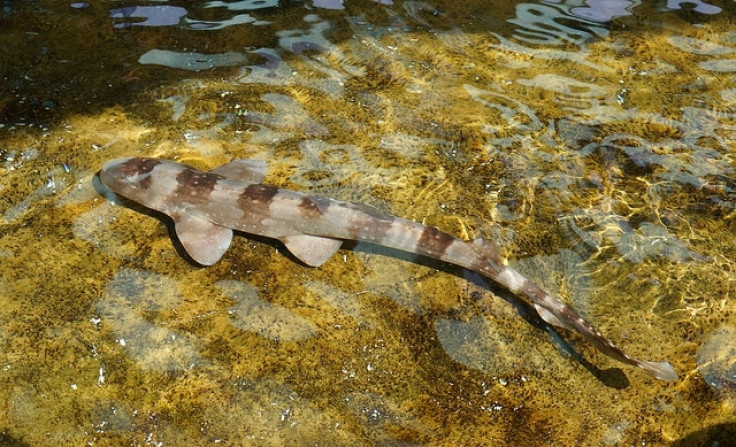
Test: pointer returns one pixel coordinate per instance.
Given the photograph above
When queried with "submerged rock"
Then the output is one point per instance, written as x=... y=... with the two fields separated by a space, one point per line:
x=717 y=361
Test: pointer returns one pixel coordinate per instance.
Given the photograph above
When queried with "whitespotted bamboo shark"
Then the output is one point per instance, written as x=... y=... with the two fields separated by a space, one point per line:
x=207 y=206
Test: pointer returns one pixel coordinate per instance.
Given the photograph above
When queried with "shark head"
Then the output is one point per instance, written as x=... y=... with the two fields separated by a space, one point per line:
x=147 y=181
x=129 y=177
x=171 y=188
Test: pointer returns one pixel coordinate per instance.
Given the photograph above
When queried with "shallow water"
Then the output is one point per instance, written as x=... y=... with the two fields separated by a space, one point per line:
x=594 y=141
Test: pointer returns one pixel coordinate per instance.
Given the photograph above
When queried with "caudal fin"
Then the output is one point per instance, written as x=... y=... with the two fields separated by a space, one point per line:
x=660 y=370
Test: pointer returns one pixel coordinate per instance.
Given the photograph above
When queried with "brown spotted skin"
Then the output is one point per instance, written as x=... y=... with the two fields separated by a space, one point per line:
x=435 y=243
x=256 y=196
x=191 y=183
x=177 y=190
x=138 y=167
x=309 y=208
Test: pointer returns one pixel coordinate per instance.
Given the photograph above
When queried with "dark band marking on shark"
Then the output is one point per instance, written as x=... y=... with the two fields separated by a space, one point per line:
x=191 y=183
x=254 y=195
x=207 y=206
x=310 y=208
x=436 y=242
x=143 y=167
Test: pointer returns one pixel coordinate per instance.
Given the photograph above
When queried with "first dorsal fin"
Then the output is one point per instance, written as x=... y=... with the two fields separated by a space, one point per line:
x=311 y=250
x=248 y=171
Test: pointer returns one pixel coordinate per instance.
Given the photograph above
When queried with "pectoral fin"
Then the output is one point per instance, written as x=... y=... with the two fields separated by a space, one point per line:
x=204 y=241
x=312 y=250
x=248 y=171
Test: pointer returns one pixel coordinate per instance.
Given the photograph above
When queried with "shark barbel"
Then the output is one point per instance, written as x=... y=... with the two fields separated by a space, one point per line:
x=207 y=206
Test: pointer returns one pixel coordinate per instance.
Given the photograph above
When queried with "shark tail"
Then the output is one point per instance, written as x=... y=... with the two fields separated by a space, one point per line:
x=660 y=370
